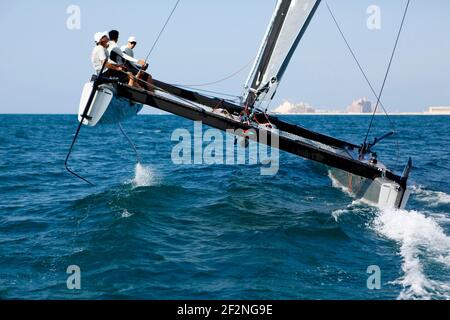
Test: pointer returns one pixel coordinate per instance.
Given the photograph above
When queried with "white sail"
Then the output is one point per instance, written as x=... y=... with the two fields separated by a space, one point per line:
x=289 y=22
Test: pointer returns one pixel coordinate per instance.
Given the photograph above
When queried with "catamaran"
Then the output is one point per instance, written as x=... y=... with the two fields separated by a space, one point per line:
x=351 y=166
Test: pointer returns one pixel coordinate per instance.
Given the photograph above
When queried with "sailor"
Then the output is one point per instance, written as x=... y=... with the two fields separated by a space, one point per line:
x=100 y=55
x=128 y=48
x=145 y=80
x=116 y=55
x=135 y=66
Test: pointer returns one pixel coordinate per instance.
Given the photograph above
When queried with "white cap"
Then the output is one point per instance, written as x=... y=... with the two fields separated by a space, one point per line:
x=99 y=35
x=132 y=39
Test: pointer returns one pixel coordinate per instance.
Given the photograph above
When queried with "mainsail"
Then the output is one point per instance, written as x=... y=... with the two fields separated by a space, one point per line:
x=288 y=24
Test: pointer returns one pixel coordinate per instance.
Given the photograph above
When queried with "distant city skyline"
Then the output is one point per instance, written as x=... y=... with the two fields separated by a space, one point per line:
x=358 y=106
x=46 y=59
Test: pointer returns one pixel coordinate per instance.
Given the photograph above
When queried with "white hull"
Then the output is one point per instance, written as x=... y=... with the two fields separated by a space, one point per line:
x=106 y=107
x=380 y=192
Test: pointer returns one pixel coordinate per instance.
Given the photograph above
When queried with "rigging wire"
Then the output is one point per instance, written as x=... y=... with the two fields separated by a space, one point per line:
x=162 y=30
x=201 y=84
x=217 y=81
x=388 y=69
x=354 y=55
x=237 y=98
x=365 y=76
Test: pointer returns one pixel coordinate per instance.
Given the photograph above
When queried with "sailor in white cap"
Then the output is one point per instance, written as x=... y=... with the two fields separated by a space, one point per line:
x=100 y=55
x=145 y=79
x=128 y=49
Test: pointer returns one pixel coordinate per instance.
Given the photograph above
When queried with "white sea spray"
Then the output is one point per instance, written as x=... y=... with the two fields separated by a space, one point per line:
x=420 y=237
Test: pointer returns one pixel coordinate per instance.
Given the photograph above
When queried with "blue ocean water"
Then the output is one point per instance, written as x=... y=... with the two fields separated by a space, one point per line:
x=163 y=231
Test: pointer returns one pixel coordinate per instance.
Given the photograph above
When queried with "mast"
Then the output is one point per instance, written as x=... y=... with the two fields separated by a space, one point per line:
x=287 y=27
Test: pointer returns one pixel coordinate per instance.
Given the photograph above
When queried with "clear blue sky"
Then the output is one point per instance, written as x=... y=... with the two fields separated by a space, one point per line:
x=44 y=64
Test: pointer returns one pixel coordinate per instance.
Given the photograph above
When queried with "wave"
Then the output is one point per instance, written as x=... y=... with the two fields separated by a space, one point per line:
x=353 y=208
x=422 y=242
x=432 y=198
x=125 y=214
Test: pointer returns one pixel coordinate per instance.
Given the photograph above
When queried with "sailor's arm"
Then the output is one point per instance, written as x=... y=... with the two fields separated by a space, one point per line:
x=131 y=59
x=124 y=56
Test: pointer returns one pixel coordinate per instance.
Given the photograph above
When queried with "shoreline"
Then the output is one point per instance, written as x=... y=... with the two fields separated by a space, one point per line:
x=363 y=114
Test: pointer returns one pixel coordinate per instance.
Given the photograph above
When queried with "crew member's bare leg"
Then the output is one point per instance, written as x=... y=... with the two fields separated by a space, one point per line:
x=146 y=81
x=131 y=81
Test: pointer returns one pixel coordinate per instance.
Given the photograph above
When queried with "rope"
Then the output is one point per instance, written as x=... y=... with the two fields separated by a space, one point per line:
x=162 y=30
x=217 y=81
x=387 y=71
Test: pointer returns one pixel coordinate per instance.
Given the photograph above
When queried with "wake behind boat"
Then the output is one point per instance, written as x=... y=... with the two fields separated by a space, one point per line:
x=353 y=167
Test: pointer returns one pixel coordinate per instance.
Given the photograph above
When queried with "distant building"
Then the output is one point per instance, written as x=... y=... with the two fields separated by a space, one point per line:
x=360 y=106
x=439 y=110
x=290 y=108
